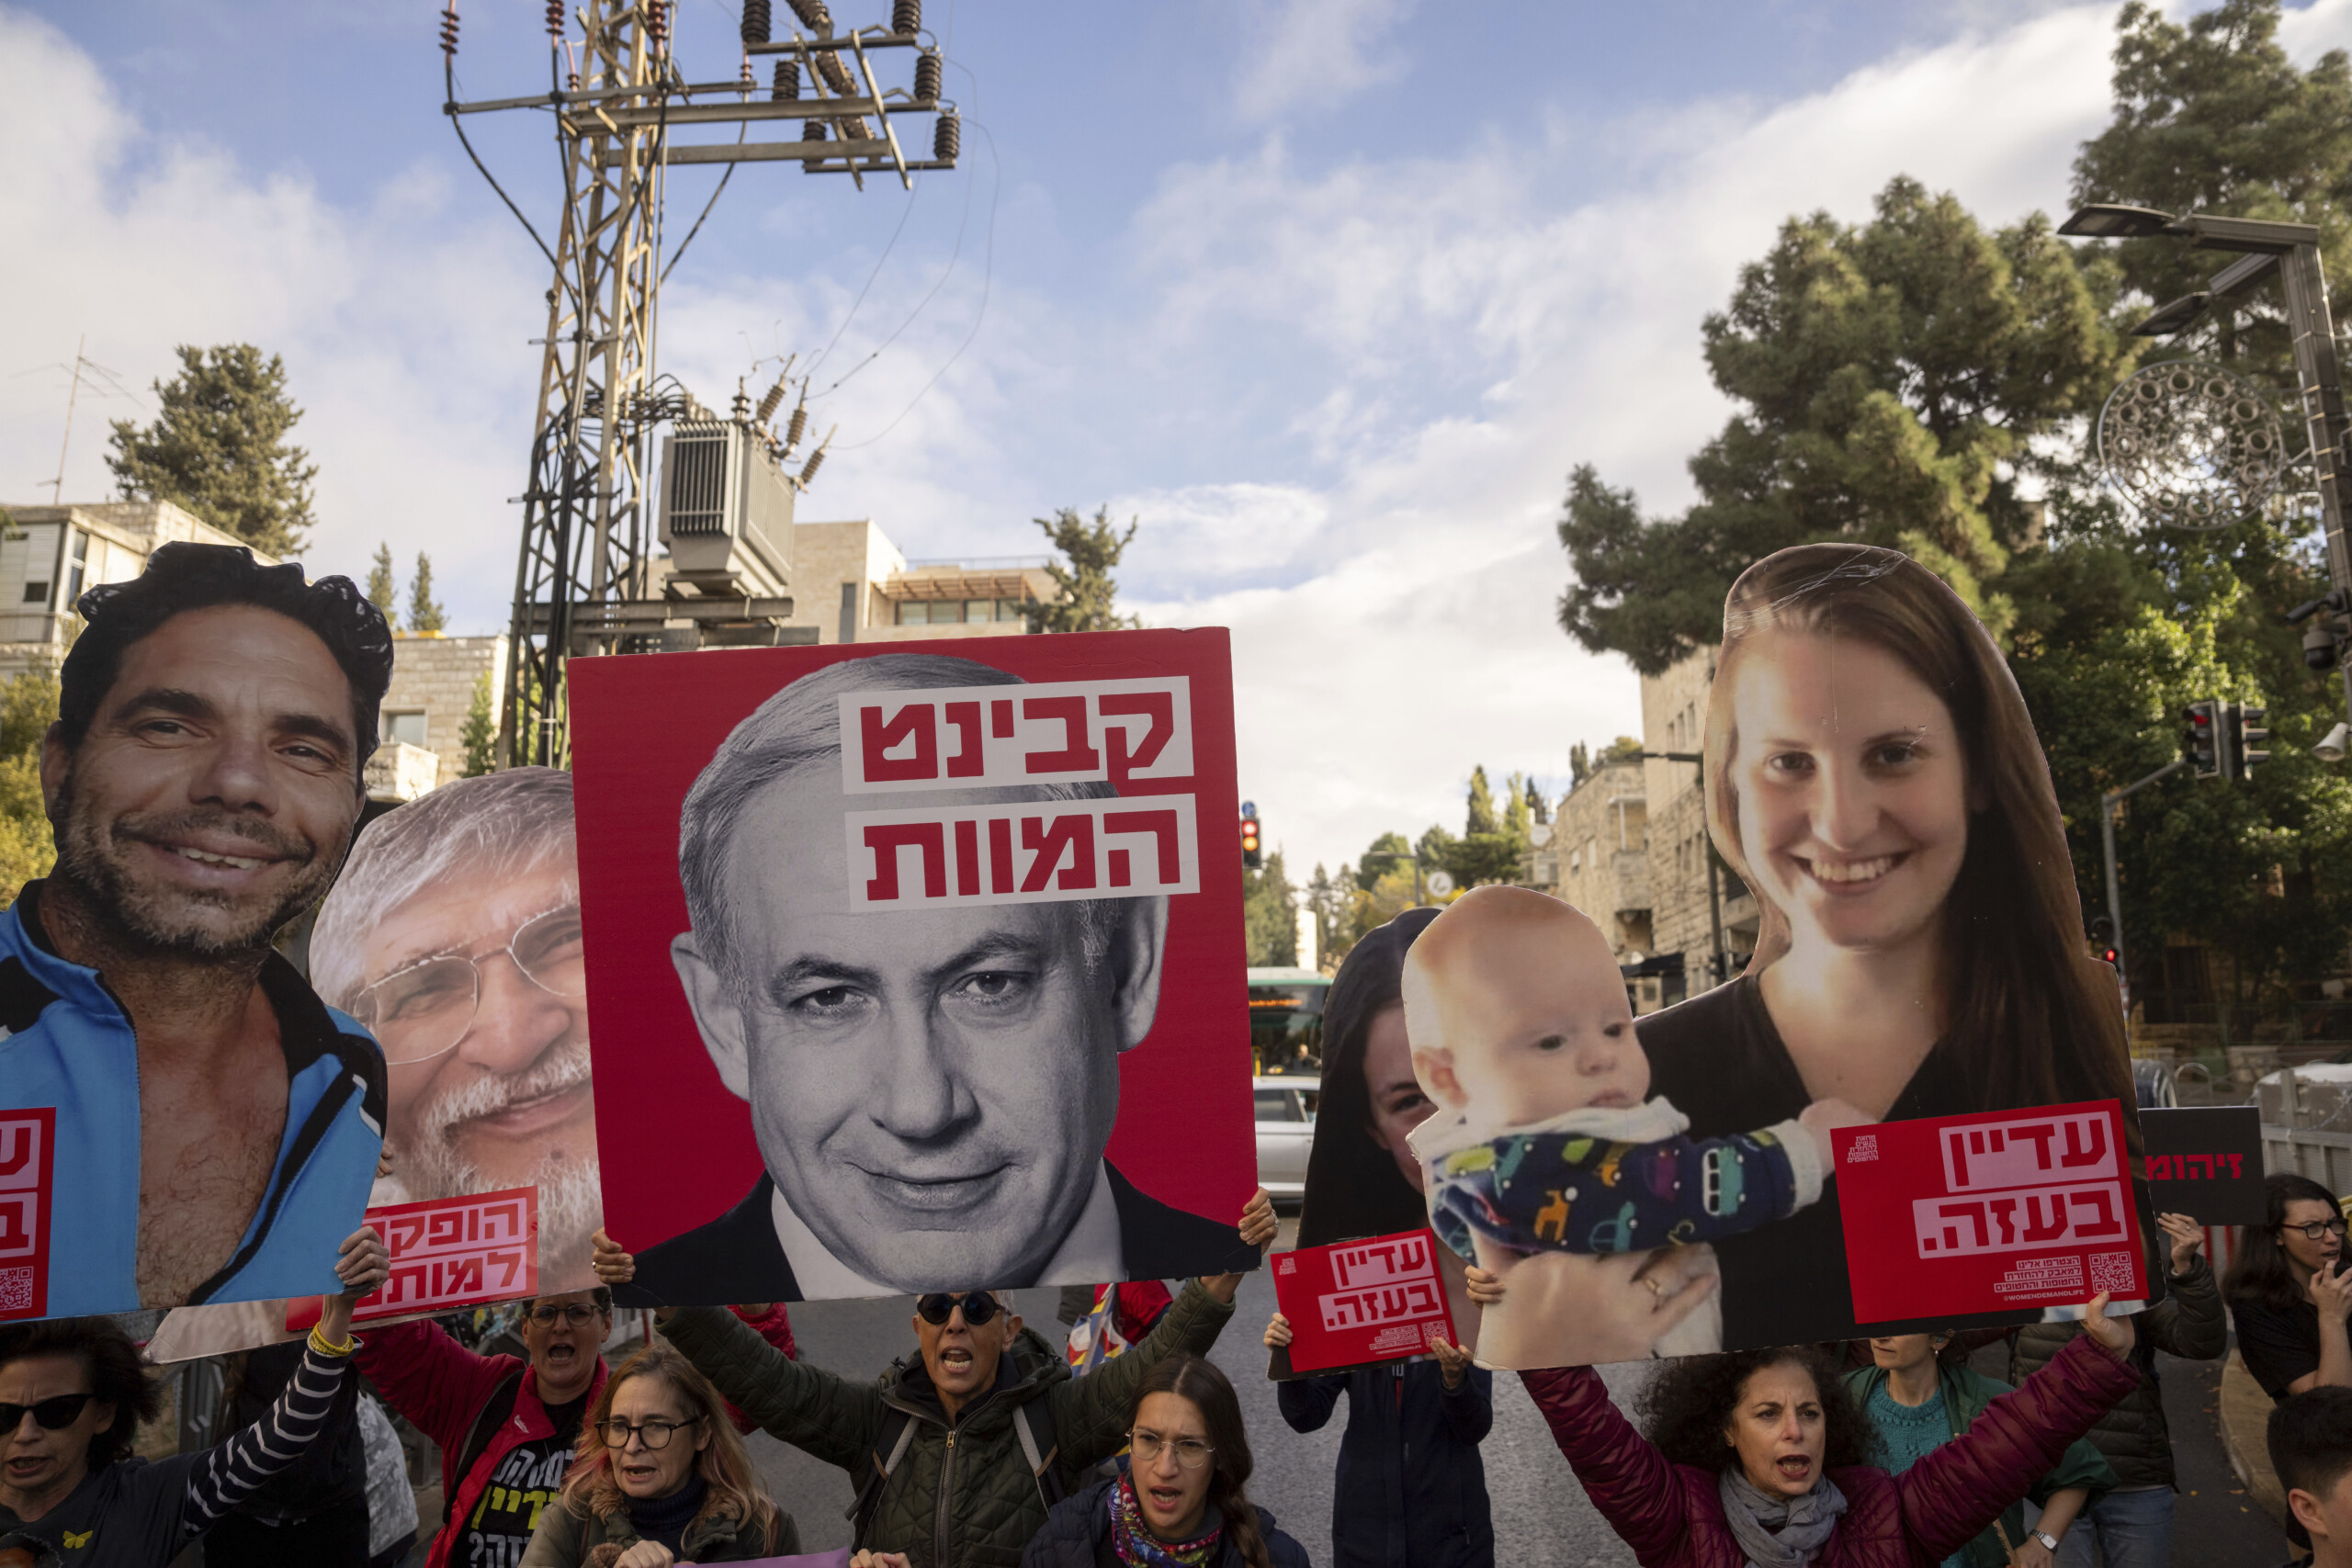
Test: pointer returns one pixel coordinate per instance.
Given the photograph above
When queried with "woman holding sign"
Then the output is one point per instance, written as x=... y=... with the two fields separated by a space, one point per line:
x=1872 y=776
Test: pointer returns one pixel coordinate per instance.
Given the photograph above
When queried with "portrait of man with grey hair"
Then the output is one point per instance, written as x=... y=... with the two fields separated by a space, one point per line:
x=931 y=1087
x=454 y=935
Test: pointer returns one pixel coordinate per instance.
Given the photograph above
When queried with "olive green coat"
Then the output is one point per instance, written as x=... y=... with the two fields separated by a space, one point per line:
x=963 y=1495
x=565 y=1539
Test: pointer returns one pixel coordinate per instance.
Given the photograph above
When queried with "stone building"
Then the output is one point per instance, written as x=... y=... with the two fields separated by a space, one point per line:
x=52 y=553
x=1708 y=922
x=432 y=689
x=1598 y=855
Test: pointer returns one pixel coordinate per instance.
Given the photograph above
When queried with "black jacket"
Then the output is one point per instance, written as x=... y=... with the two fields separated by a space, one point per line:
x=1078 y=1533
x=2132 y=1435
x=1412 y=1491
x=736 y=1258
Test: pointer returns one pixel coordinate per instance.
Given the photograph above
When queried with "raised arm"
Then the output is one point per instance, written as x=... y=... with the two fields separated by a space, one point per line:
x=1090 y=1412
x=1953 y=1493
x=1632 y=1485
x=230 y=1472
x=2189 y=1322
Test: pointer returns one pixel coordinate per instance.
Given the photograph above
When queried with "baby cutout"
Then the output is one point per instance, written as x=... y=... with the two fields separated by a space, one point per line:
x=1546 y=1138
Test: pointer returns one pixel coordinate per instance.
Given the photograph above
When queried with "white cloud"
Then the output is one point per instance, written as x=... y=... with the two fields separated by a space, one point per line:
x=1315 y=54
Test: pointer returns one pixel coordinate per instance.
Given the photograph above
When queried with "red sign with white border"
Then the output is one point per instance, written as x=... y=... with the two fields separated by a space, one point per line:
x=1991 y=1211
x=1356 y=1302
x=27 y=1140
x=446 y=1254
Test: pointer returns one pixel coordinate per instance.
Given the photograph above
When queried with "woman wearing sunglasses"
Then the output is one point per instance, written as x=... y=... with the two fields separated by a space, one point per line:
x=1182 y=1498
x=662 y=1477
x=73 y=1393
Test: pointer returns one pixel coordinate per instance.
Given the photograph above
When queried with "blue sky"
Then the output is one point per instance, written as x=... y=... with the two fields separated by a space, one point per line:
x=1330 y=293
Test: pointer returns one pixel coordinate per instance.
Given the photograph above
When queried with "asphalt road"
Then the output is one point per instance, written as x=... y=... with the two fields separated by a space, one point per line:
x=1540 y=1513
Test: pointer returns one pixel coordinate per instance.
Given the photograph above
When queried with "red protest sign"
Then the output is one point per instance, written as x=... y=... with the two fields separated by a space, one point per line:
x=26 y=1147
x=1991 y=1211
x=446 y=1254
x=1362 y=1301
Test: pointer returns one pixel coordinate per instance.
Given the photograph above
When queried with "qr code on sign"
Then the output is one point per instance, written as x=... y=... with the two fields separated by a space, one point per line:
x=2110 y=1271
x=1863 y=1149
x=16 y=1290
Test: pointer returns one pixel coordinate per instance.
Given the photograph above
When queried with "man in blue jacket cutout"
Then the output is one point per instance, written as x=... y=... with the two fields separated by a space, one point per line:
x=217 y=1125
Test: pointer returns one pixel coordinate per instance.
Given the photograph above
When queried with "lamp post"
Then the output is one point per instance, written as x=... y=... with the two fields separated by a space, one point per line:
x=2290 y=250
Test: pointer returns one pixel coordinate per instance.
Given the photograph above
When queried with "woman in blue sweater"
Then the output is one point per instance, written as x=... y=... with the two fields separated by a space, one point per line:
x=1410 y=1491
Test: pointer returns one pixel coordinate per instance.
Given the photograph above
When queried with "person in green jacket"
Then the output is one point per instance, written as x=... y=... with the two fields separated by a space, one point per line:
x=1919 y=1400
x=938 y=1447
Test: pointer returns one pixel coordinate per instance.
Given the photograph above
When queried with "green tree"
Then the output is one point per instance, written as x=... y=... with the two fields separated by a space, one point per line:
x=2211 y=116
x=28 y=848
x=1481 y=817
x=1269 y=913
x=1380 y=857
x=1899 y=382
x=382 y=590
x=1089 y=594
x=424 y=613
x=479 y=736
x=218 y=448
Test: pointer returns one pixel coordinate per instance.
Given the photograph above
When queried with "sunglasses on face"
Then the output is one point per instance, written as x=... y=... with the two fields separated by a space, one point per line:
x=51 y=1414
x=978 y=1307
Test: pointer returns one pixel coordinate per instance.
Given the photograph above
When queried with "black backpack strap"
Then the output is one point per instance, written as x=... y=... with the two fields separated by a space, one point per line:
x=1033 y=1423
x=890 y=1444
x=487 y=1421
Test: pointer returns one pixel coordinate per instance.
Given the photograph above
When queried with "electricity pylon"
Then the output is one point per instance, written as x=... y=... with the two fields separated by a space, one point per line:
x=621 y=105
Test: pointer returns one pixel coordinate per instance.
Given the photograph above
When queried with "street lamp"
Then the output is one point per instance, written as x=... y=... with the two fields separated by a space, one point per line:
x=2291 y=250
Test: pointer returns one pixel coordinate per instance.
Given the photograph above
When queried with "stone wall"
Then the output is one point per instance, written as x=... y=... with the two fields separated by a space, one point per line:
x=435 y=676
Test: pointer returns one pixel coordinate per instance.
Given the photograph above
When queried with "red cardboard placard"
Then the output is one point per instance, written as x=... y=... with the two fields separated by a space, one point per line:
x=1357 y=1302
x=446 y=1254
x=26 y=1140
x=1991 y=1211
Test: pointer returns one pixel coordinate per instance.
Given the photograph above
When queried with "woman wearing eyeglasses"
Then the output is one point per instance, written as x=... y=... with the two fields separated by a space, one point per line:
x=2286 y=1296
x=1182 y=1499
x=663 y=1477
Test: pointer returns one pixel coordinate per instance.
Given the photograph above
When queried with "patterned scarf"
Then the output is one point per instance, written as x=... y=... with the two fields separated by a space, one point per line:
x=1778 y=1532
x=1138 y=1548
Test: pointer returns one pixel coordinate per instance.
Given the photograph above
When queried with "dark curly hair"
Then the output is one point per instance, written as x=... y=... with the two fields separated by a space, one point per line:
x=112 y=1363
x=182 y=577
x=1690 y=1404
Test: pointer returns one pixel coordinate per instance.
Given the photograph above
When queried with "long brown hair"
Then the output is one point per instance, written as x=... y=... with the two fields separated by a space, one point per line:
x=1197 y=1379
x=736 y=1491
x=1353 y=1188
x=2034 y=1020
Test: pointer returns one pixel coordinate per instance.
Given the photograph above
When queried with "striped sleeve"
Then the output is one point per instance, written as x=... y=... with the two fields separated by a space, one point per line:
x=229 y=1472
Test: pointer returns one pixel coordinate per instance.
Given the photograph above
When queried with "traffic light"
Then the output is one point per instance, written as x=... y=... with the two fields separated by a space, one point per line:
x=1249 y=856
x=2103 y=938
x=2203 y=743
x=2247 y=737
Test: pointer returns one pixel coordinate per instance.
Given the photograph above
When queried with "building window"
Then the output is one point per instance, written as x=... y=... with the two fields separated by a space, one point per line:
x=36 y=592
x=408 y=726
x=80 y=566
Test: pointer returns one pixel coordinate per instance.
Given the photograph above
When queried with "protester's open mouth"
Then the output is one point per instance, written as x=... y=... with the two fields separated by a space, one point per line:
x=941 y=1194
x=19 y=1468
x=956 y=1359
x=1795 y=1467
x=561 y=1355
x=1166 y=1501
x=640 y=1472
x=1849 y=876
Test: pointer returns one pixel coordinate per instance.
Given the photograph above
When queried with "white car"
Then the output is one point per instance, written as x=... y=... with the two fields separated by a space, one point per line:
x=1286 y=1132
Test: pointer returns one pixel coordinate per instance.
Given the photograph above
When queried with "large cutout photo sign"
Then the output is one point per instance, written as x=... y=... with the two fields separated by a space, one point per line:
x=916 y=969
x=1666 y=1185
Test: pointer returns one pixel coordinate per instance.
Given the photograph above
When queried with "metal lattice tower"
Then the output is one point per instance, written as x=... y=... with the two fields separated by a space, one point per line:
x=621 y=102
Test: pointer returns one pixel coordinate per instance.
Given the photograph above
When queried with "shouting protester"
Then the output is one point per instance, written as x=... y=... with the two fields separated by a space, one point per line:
x=1761 y=1457
x=72 y=1393
x=957 y=1451
x=218 y=1126
x=507 y=1429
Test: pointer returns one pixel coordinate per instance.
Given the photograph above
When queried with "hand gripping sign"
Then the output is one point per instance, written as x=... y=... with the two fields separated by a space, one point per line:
x=1988 y=1213
x=1360 y=1302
